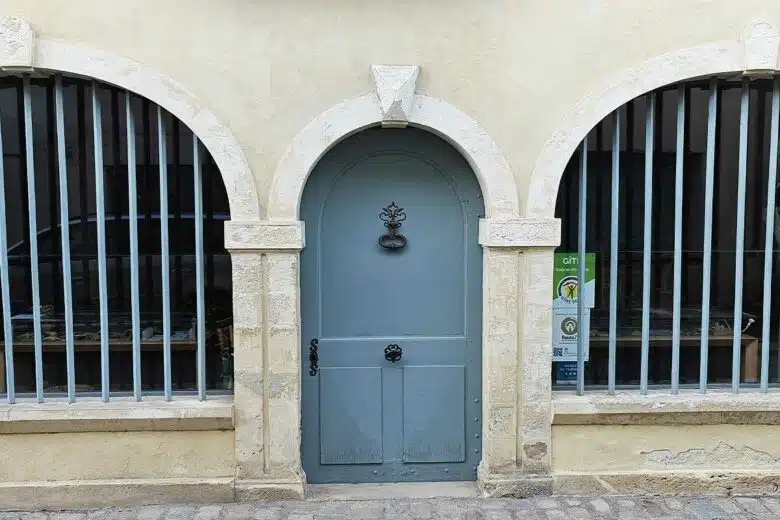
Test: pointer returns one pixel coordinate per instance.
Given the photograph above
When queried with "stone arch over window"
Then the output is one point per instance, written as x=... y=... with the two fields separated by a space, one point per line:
x=685 y=146
x=66 y=111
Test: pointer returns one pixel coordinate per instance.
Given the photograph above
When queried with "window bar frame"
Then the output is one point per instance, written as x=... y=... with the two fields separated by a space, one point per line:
x=116 y=150
x=146 y=109
x=628 y=200
x=199 y=269
x=5 y=289
x=132 y=201
x=67 y=279
x=774 y=135
x=51 y=137
x=81 y=117
x=165 y=254
x=679 y=174
x=32 y=220
x=647 y=239
x=178 y=282
x=97 y=137
x=23 y=184
x=581 y=246
x=613 y=250
x=744 y=120
x=709 y=190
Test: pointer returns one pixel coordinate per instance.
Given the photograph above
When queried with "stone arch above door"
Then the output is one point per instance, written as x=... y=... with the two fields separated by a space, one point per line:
x=756 y=51
x=22 y=51
x=437 y=116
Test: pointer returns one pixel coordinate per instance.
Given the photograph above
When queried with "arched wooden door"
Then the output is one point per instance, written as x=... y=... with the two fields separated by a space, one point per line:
x=395 y=393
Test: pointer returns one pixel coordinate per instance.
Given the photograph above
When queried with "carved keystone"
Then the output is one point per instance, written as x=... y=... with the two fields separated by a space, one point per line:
x=17 y=43
x=395 y=86
x=761 y=47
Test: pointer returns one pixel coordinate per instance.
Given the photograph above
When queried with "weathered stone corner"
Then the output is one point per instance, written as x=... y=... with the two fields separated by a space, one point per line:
x=17 y=43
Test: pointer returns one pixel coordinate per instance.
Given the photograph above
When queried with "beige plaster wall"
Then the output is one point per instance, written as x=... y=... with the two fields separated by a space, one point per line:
x=267 y=68
x=673 y=448
x=117 y=455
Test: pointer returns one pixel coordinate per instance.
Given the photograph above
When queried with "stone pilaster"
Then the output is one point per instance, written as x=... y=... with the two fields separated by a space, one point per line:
x=266 y=358
x=517 y=355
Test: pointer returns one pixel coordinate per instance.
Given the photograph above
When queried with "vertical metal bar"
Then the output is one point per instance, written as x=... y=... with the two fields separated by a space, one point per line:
x=23 y=184
x=720 y=152
x=8 y=331
x=658 y=190
x=208 y=233
x=51 y=137
x=62 y=168
x=97 y=135
x=758 y=156
x=712 y=122
x=135 y=291
x=744 y=110
x=199 y=273
x=81 y=113
x=678 y=230
x=647 y=240
x=178 y=282
x=117 y=193
x=165 y=260
x=628 y=206
x=613 y=253
x=581 y=245
x=147 y=201
x=774 y=135
x=32 y=220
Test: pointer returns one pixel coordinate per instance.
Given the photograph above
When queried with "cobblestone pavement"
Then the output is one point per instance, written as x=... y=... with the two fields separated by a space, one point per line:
x=542 y=508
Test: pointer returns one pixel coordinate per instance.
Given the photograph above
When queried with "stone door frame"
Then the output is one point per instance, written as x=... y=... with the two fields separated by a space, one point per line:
x=266 y=276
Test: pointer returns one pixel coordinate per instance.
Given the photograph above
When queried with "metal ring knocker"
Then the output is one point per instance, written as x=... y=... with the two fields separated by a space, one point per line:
x=393 y=352
x=392 y=216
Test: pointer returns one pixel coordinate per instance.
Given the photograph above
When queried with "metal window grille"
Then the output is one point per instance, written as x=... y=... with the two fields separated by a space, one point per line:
x=107 y=270
x=675 y=194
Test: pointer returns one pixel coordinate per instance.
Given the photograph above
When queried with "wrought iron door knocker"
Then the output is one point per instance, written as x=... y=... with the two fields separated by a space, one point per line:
x=392 y=216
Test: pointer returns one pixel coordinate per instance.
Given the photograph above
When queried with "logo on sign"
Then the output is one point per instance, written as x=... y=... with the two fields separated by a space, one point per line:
x=569 y=326
x=568 y=289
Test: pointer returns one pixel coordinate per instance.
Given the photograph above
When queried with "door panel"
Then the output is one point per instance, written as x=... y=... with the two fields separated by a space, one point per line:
x=366 y=418
x=379 y=289
x=351 y=431
x=434 y=413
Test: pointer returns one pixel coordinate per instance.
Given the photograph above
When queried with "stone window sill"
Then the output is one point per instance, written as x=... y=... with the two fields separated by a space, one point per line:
x=662 y=408
x=118 y=415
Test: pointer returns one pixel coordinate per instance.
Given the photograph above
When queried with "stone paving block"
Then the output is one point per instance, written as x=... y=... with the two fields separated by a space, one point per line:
x=268 y=513
x=579 y=513
x=752 y=505
x=180 y=513
x=705 y=509
x=674 y=504
x=239 y=512
x=150 y=513
x=773 y=504
x=601 y=506
x=548 y=503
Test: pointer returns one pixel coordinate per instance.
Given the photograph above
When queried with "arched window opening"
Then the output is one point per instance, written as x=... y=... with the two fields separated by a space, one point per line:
x=106 y=293
x=680 y=274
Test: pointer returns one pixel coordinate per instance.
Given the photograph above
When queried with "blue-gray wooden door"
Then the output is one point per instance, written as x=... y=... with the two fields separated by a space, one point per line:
x=367 y=419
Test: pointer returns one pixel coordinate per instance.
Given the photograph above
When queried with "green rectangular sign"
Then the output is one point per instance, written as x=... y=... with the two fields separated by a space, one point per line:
x=565 y=285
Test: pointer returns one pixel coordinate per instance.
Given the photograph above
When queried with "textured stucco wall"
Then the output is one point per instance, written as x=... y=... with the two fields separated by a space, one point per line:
x=116 y=455
x=675 y=448
x=267 y=68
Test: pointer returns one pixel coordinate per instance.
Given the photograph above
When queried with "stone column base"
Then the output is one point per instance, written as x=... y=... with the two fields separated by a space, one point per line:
x=514 y=485
x=252 y=490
